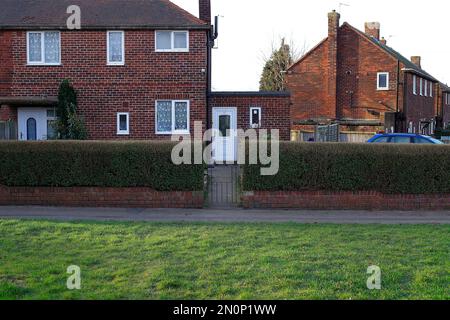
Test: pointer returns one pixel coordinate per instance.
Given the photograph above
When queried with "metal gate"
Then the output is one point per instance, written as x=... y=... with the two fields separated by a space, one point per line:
x=223 y=186
x=327 y=133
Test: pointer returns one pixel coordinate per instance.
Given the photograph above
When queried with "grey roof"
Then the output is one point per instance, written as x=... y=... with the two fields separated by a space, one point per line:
x=97 y=14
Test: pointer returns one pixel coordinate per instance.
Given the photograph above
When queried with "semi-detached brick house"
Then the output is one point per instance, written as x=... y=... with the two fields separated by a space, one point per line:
x=355 y=79
x=142 y=70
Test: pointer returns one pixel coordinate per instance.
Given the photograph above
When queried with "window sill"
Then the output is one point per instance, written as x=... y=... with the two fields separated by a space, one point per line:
x=180 y=133
x=44 y=64
x=383 y=89
x=123 y=133
x=111 y=64
x=173 y=51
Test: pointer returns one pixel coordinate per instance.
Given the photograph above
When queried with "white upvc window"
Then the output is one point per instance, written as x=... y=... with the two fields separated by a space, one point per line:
x=431 y=89
x=123 y=123
x=172 y=117
x=115 y=44
x=255 y=117
x=44 y=48
x=383 y=81
x=172 y=41
x=426 y=88
x=421 y=87
x=415 y=85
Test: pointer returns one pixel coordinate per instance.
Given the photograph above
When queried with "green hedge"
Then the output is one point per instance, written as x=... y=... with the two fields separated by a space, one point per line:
x=102 y=164
x=403 y=169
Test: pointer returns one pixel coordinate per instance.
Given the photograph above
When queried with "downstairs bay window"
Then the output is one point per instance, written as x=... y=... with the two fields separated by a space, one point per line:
x=172 y=117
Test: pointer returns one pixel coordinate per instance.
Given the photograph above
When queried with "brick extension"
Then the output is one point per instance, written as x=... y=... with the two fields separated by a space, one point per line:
x=363 y=200
x=100 y=197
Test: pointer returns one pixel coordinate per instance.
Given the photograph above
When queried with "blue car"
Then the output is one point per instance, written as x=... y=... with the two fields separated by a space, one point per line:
x=403 y=138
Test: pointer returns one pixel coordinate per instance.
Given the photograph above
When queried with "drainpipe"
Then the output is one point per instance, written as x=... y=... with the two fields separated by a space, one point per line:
x=405 y=86
x=213 y=34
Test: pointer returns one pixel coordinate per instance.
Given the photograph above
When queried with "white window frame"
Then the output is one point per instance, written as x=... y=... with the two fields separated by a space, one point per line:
x=251 y=117
x=172 y=41
x=173 y=131
x=115 y=63
x=378 y=81
x=431 y=89
x=421 y=87
x=415 y=85
x=123 y=132
x=426 y=88
x=42 y=62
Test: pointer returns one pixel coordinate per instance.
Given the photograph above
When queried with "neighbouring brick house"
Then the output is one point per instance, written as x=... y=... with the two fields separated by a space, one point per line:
x=354 y=79
x=142 y=74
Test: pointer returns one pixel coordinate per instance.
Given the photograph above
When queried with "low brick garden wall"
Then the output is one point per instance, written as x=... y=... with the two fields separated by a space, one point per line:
x=357 y=200
x=100 y=197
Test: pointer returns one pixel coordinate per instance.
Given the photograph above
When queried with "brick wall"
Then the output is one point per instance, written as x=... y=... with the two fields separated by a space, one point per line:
x=358 y=62
x=321 y=200
x=105 y=90
x=7 y=113
x=6 y=64
x=100 y=197
x=274 y=109
x=418 y=107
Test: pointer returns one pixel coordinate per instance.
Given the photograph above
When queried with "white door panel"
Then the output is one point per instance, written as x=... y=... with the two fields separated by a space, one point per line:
x=224 y=141
x=32 y=124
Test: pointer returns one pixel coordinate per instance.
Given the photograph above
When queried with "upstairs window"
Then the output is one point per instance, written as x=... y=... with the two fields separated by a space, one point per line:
x=421 y=86
x=426 y=88
x=172 y=41
x=383 y=81
x=431 y=89
x=44 y=48
x=116 y=48
x=123 y=123
x=172 y=117
x=415 y=85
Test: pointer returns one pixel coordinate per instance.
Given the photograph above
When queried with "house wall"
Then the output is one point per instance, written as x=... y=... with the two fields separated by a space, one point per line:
x=105 y=90
x=359 y=61
x=6 y=63
x=8 y=113
x=307 y=81
x=274 y=110
x=417 y=107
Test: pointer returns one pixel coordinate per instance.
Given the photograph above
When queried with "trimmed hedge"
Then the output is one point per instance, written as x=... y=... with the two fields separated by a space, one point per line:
x=404 y=169
x=96 y=164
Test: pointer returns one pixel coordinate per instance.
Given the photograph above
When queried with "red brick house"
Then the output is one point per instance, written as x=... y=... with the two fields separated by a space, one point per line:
x=142 y=74
x=356 y=80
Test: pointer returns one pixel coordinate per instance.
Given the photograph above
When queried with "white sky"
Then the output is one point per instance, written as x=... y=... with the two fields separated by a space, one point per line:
x=248 y=28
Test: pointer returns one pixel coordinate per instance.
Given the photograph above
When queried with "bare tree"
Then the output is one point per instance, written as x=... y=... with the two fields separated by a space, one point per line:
x=277 y=63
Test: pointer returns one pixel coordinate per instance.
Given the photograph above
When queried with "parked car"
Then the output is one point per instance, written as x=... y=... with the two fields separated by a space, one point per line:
x=403 y=138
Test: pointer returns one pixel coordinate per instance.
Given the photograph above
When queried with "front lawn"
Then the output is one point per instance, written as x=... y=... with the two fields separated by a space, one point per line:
x=221 y=261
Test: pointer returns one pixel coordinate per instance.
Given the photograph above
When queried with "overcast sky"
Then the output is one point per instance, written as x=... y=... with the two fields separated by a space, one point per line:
x=248 y=28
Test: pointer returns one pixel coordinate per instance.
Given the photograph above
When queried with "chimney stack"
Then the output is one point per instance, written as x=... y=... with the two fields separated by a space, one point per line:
x=373 y=29
x=417 y=60
x=333 y=35
x=205 y=10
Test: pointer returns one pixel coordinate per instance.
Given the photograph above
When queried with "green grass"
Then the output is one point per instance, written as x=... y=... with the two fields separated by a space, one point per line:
x=221 y=261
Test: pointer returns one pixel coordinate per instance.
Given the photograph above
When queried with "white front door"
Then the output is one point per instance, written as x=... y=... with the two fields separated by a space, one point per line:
x=32 y=124
x=224 y=139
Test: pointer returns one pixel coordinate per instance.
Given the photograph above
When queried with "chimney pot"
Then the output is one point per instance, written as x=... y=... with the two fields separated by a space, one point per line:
x=383 y=41
x=205 y=10
x=417 y=60
x=373 y=29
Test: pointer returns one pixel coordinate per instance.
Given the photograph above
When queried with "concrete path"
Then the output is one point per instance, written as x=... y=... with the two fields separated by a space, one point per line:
x=234 y=215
